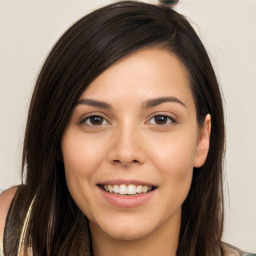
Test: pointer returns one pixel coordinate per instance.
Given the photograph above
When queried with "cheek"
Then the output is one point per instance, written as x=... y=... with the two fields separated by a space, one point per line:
x=175 y=154
x=174 y=158
x=176 y=173
x=81 y=158
x=81 y=155
x=177 y=170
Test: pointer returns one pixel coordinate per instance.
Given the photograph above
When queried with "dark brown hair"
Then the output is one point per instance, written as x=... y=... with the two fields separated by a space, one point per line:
x=56 y=225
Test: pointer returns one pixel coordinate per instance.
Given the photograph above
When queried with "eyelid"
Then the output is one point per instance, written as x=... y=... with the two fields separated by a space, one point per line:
x=168 y=115
x=92 y=114
x=88 y=121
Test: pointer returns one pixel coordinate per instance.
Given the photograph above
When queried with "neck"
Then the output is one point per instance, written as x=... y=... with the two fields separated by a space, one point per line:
x=162 y=241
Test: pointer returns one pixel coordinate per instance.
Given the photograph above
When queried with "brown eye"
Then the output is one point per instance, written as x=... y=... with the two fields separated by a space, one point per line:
x=95 y=121
x=161 y=120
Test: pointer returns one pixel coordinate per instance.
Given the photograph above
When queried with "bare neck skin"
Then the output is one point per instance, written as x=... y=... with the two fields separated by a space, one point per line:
x=162 y=241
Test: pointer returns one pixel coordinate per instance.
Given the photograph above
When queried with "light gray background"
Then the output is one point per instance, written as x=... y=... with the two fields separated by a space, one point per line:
x=28 y=29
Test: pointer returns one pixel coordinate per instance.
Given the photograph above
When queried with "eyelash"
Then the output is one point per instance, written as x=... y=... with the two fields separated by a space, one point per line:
x=168 y=120
x=165 y=117
x=89 y=118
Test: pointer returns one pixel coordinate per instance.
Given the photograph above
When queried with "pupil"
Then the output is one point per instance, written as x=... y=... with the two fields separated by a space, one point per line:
x=160 y=119
x=96 y=120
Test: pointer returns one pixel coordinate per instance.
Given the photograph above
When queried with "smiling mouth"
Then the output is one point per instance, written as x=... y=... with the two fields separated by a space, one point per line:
x=130 y=189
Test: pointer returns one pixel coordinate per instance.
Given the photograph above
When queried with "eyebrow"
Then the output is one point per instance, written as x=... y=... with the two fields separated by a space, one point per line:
x=147 y=104
x=157 y=101
x=94 y=103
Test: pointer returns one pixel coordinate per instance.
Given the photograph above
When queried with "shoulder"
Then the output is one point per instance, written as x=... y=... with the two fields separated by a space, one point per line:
x=5 y=202
x=230 y=250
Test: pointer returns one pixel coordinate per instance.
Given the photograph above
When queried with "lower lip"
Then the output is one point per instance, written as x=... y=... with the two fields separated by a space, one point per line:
x=127 y=201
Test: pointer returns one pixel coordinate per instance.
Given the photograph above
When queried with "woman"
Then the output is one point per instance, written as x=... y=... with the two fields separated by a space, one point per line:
x=124 y=143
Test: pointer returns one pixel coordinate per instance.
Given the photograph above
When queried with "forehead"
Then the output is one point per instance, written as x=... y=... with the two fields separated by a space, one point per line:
x=147 y=73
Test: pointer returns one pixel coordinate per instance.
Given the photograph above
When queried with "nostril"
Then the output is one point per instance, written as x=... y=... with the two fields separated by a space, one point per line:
x=125 y=153
x=124 y=164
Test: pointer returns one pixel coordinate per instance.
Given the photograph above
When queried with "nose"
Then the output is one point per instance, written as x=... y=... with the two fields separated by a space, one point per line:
x=126 y=148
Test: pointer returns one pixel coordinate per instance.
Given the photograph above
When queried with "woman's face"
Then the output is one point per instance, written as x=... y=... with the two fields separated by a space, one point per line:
x=131 y=144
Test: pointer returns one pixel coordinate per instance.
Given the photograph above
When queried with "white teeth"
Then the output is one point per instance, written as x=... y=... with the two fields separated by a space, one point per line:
x=139 y=189
x=109 y=188
x=144 y=189
x=130 y=189
x=116 y=189
x=123 y=190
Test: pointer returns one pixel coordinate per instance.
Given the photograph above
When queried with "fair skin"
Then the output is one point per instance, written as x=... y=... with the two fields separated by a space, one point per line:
x=138 y=138
x=135 y=125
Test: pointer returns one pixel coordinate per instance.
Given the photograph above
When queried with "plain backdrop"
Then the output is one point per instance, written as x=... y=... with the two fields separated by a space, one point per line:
x=28 y=29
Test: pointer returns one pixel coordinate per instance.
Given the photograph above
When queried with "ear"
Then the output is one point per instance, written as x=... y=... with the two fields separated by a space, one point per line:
x=203 y=142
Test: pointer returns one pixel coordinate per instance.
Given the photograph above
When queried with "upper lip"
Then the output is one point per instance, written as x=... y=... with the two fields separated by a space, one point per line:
x=126 y=182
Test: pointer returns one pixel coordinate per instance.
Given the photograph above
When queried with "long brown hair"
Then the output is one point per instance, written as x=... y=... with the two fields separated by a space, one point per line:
x=56 y=226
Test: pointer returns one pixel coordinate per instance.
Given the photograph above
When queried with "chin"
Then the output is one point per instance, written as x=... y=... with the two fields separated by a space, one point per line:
x=124 y=230
x=127 y=235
